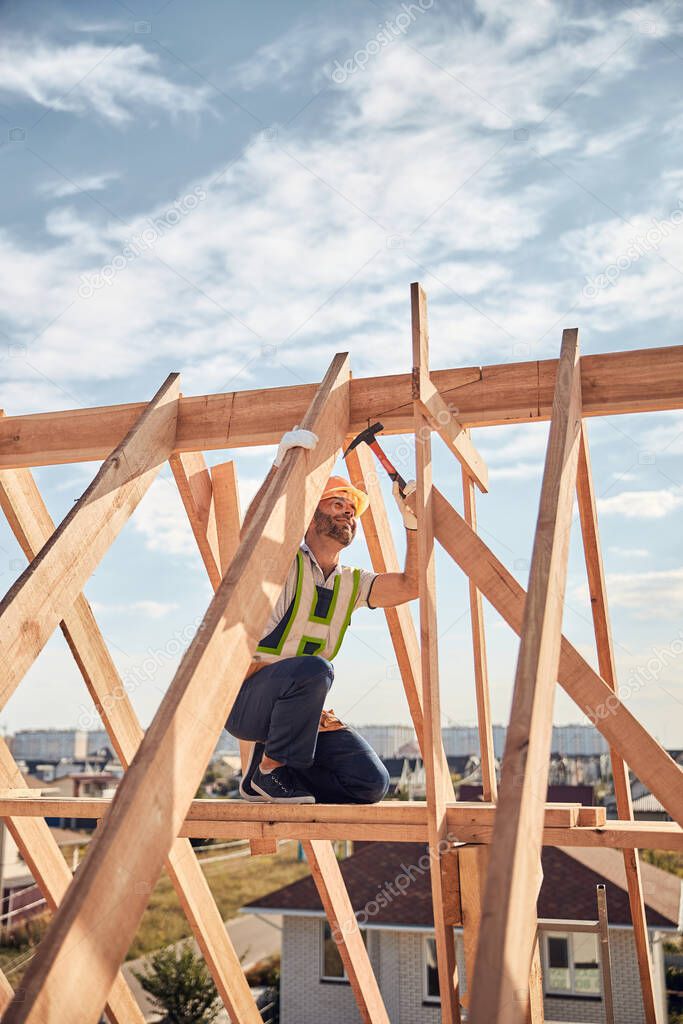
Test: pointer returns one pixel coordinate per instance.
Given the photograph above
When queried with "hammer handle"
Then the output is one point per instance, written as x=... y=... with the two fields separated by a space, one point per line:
x=393 y=473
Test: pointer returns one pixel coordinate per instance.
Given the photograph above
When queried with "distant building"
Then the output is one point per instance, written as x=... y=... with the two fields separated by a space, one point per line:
x=568 y=740
x=387 y=740
x=54 y=744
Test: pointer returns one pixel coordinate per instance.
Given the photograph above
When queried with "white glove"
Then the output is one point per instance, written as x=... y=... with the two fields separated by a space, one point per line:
x=407 y=514
x=295 y=438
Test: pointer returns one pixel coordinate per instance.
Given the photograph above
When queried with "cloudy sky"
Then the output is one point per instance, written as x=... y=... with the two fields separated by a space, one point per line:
x=238 y=192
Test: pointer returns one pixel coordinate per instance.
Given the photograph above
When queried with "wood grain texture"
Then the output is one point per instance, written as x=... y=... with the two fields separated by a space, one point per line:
x=500 y=986
x=108 y=897
x=615 y=382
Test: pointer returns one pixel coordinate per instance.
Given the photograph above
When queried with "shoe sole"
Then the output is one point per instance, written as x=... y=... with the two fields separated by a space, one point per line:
x=310 y=799
x=251 y=799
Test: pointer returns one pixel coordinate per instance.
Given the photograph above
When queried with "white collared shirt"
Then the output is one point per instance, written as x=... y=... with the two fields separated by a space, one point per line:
x=287 y=593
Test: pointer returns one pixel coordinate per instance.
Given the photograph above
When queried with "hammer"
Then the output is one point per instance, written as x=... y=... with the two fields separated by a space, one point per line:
x=369 y=437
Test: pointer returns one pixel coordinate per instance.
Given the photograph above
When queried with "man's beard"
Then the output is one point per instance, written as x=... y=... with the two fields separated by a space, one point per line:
x=328 y=526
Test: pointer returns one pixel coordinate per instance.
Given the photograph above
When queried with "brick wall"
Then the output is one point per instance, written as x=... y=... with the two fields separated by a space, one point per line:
x=398 y=961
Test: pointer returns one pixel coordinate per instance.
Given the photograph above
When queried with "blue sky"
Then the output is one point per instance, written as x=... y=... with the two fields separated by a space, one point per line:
x=239 y=191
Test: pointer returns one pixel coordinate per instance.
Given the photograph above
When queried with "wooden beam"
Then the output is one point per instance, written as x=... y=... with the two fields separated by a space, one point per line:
x=442 y=419
x=618 y=725
x=112 y=887
x=644 y=380
x=226 y=498
x=607 y=666
x=344 y=928
x=39 y=849
x=473 y=862
x=509 y=916
x=33 y=526
x=467 y=822
x=536 y=1011
x=195 y=485
x=605 y=959
x=481 y=676
x=34 y=605
x=435 y=769
x=378 y=537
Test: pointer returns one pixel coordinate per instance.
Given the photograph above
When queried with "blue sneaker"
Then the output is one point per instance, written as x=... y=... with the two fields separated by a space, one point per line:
x=247 y=791
x=280 y=787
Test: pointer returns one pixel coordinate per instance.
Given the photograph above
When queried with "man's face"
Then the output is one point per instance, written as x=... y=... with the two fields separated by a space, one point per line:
x=336 y=517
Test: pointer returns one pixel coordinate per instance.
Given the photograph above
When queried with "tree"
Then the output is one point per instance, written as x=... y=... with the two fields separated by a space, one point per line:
x=180 y=986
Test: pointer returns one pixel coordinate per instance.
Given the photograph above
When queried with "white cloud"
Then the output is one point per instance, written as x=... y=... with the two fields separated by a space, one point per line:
x=331 y=204
x=149 y=609
x=109 y=81
x=60 y=188
x=641 y=504
x=628 y=552
x=656 y=594
x=162 y=520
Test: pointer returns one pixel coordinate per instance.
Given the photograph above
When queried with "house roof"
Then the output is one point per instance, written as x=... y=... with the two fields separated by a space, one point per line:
x=567 y=893
x=557 y=794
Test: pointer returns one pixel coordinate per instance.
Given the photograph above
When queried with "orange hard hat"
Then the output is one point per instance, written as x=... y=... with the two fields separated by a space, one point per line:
x=337 y=485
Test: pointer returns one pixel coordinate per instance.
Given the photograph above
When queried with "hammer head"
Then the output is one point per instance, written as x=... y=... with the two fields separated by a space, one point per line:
x=368 y=436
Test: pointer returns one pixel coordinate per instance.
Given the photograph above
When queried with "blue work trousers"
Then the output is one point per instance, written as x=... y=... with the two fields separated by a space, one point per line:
x=280 y=705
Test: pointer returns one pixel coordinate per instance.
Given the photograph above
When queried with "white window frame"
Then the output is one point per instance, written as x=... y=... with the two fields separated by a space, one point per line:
x=333 y=978
x=426 y=997
x=572 y=992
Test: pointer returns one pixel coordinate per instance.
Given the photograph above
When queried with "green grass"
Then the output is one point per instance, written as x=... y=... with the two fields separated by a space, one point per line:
x=667 y=860
x=233 y=883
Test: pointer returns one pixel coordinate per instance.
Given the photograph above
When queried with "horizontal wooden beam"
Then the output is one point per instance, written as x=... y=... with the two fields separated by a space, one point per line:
x=644 y=380
x=565 y=825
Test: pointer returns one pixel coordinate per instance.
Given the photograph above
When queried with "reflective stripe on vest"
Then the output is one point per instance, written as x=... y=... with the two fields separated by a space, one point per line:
x=308 y=633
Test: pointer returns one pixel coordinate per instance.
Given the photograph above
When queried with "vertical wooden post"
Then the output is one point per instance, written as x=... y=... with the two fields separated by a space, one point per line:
x=375 y=522
x=605 y=959
x=622 y=788
x=473 y=862
x=481 y=678
x=434 y=765
x=500 y=991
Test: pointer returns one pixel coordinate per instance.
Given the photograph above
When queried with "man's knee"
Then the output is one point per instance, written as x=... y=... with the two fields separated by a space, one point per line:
x=315 y=671
x=375 y=784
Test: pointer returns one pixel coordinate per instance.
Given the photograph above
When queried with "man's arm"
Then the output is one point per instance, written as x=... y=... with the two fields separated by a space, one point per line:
x=392 y=588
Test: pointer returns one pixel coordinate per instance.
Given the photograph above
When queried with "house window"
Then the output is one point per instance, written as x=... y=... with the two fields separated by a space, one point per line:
x=430 y=972
x=572 y=964
x=331 y=964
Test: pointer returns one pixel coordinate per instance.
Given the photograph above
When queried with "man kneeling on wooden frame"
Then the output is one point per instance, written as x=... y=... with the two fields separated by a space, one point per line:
x=302 y=753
